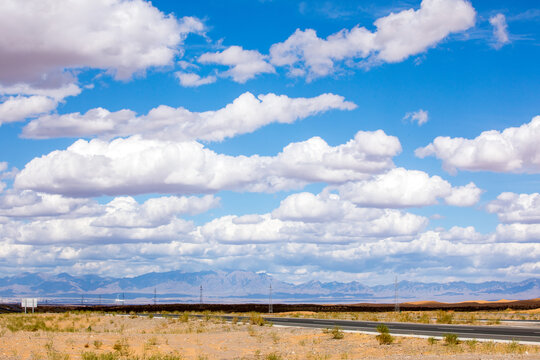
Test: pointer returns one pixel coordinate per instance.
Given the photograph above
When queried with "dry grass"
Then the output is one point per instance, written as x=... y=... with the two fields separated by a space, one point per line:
x=425 y=317
x=107 y=337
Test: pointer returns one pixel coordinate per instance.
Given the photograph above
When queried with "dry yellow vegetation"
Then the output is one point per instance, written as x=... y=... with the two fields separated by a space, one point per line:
x=92 y=336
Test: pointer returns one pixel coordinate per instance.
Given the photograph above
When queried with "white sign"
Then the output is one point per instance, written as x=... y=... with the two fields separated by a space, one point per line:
x=29 y=303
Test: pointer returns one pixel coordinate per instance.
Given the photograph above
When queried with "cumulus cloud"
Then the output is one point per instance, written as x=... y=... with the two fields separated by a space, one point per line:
x=400 y=188
x=420 y=117
x=514 y=150
x=135 y=166
x=245 y=64
x=53 y=219
x=516 y=208
x=244 y=115
x=193 y=80
x=428 y=256
x=500 y=30
x=29 y=204
x=305 y=217
x=121 y=37
x=17 y=108
x=518 y=232
x=398 y=36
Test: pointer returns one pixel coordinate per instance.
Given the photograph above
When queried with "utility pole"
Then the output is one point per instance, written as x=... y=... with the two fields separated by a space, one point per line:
x=100 y=300
x=201 y=298
x=123 y=299
x=396 y=302
x=270 y=307
x=154 y=296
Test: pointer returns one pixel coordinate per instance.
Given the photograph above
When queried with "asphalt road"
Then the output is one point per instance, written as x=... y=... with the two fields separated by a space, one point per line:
x=463 y=331
x=488 y=332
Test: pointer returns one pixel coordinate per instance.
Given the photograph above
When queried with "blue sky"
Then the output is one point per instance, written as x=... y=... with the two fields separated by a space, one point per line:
x=331 y=140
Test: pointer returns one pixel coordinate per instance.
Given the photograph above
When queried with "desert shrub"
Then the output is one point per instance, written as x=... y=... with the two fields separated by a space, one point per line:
x=337 y=333
x=103 y=356
x=424 y=319
x=184 y=317
x=471 y=318
x=166 y=357
x=382 y=329
x=515 y=347
x=98 y=344
x=404 y=317
x=431 y=340
x=273 y=356
x=53 y=354
x=256 y=319
x=121 y=347
x=471 y=343
x=444 y=317
x=384 y=336
x=451 y=339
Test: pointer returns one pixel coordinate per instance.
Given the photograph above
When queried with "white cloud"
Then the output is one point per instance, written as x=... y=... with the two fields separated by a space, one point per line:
x=245 y=64
x=516 y=208
x=398 y=36
x=28 y=204
x=514 y=150
x=56 y=93
x=500 y=30
x=467 y=235
x=122 y=37
x=518 y=233
x=135 y=166
x=305 y=217
x=3 y=166
x=400 y=187
x=467 y=195
x=420 y=116
x=20 y=107
x=194 y=80
x=56 y=220
x=244 y=115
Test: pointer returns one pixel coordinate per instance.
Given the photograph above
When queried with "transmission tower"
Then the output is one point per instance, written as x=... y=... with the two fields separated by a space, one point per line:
x=396 y=302
x=200 y=299
x=270 y=306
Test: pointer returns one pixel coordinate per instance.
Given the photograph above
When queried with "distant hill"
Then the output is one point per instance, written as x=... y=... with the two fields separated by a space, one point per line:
x=245 y=286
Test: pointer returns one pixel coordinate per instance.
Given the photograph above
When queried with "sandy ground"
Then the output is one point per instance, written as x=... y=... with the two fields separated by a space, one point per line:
x=68 y=336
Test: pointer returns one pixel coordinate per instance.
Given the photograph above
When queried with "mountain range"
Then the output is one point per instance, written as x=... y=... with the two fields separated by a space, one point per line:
x=245 y=286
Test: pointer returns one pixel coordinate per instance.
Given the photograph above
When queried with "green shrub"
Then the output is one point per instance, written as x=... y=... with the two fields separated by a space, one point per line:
x=451 y=339
x=94 y=356
x=383 y=329
x=337 y=333
x=384 y=336
x=431 y=340
x=385 y=339
x=121 y=347
x=257 y=319
x=273 y=356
